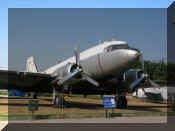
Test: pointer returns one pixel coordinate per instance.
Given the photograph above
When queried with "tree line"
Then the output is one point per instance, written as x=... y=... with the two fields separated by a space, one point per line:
x=159 y=70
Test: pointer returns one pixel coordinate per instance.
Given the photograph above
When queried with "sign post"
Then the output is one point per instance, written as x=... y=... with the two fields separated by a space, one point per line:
x=109 y=103
x=33 y=106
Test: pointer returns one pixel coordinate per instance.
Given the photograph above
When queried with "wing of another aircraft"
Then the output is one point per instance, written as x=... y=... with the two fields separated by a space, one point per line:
x=13 y=79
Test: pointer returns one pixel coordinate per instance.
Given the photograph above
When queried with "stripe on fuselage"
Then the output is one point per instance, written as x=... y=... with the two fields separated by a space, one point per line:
x=99 y=63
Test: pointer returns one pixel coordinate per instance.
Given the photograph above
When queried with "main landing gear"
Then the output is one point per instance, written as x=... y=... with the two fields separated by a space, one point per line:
x=121 y=93
x=58 y=97
x=121 y=101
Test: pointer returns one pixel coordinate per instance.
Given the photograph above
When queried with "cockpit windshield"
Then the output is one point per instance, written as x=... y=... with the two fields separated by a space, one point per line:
x=115 y=47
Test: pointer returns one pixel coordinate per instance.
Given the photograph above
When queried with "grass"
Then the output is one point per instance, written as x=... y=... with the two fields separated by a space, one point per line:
x=79 y=107
x=84 y=115
x=89 y=96
x=4 y=93
x=3 y=116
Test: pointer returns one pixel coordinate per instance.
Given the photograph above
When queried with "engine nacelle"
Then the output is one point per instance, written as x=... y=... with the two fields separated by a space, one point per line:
x=133 y=74
x=69 y=69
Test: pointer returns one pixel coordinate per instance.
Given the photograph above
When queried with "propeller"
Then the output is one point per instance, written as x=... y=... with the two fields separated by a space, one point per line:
x=77 y=54
x=83 y=74
x=78 y=71
x=142 y=61
x=68 y=77
x=90 y=80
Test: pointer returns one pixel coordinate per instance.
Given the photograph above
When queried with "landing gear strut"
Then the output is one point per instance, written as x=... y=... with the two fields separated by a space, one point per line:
x=122 y=102
x=58 y=98
x=121 y=92
x=35 y=95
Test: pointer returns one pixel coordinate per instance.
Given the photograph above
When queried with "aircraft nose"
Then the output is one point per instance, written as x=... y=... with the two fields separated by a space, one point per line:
x=134 y=54
x=119 y=60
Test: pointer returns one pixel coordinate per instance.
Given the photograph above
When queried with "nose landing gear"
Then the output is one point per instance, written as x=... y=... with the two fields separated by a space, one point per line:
x=121 y=101
x=121 y=92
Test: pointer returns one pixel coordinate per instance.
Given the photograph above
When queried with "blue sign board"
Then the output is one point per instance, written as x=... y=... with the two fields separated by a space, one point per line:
x=109 y=101
x=16 y=92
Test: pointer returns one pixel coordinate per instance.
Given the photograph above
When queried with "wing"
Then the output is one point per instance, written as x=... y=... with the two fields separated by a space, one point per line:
x=23 y=80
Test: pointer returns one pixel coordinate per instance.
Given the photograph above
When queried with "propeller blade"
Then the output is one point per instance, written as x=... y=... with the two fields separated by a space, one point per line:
x=153 y=83
x=90 y=80
x=55 y=80
x=60 y=81
x=143 y=90
x=70 y=76
x=142 y=61
x=135 y=84
x=77 y=54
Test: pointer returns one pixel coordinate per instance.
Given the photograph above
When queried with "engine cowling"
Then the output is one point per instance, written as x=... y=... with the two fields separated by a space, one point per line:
x=70 y=68
x=132 y=75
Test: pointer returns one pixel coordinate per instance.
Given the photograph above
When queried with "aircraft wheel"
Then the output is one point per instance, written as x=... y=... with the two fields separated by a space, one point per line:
x=122 y=102
x=59 y=100
x=35 y=96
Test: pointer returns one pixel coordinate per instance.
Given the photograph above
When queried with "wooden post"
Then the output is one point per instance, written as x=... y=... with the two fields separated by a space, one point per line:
x=32 y=114
x=112 y=111
x=106 y=113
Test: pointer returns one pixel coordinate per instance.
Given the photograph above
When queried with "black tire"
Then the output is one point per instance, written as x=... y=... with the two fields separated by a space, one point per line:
x=125 y=103
x=122 y=102
x=56 y=102
x=35 y=96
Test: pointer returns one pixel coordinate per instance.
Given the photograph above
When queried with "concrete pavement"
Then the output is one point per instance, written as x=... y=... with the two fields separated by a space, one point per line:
x=152 y=119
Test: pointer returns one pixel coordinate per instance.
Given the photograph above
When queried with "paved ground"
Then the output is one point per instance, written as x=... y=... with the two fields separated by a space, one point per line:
x=157 y=119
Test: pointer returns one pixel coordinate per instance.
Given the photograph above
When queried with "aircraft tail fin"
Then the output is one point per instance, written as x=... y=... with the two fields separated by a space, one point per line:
x=30 y=65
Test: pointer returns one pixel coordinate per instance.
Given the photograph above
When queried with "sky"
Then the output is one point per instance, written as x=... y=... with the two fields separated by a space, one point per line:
x=5 y=4
x=85 y=3
x=171 y=33
x=3 y=37
x=51 y=34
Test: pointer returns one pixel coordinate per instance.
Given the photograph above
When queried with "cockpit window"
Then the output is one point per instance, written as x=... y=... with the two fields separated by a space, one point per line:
x=115 y=47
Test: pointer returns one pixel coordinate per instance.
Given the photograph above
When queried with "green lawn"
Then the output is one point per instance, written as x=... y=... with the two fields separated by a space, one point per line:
x=3 y=116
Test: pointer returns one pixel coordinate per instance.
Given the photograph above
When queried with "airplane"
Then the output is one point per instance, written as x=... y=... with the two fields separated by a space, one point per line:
x=144 y=88
x=85 y=73
x=157 y=94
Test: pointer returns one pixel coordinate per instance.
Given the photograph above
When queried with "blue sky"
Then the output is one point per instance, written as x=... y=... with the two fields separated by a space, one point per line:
x=51 y=34
x=5 y=4
x=3 y=37
x=85 y=3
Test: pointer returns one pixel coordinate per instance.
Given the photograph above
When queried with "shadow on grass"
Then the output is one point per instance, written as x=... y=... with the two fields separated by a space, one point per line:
x=146 y=108
x=89 y=106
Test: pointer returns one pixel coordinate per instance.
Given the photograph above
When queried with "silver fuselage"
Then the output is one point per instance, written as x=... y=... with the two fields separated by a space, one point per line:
x=99 y=64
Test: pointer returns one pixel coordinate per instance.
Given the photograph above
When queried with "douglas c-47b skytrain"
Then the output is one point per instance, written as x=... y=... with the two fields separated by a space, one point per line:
x=98 y=70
